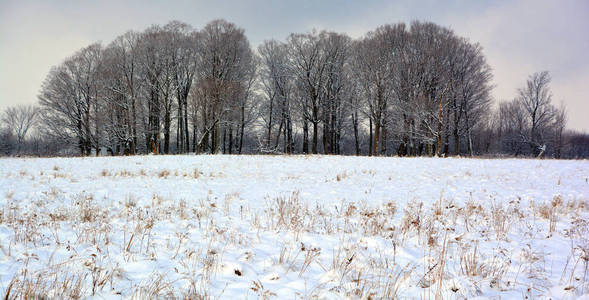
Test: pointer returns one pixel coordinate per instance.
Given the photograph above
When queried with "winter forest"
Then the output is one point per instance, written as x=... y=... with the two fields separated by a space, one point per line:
x=402 y=89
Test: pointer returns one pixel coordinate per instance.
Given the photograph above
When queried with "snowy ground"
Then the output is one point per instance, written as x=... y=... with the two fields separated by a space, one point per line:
x=293 y=227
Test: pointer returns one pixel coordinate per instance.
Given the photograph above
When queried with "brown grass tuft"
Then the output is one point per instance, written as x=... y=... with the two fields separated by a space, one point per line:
x=163 y=173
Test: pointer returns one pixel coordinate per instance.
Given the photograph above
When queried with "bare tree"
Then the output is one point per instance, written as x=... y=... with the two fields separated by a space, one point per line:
x=122 y=77
x=512 y=127
x=472 y=98
x=6 y=141
x=536 y=99
x=183 y=52
x=69 y=97
x=417 y=89
x=226 y=73
x=336 y=49
x=307 y=65
x=559 y=126
x=278 y=87
x=376 y=64
x=19 y=120
x=152 y=62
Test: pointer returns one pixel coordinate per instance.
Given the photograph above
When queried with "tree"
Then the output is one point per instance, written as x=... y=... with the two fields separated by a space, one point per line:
x=6 y=141
x=70 y=100
x=121 y=77
x=277 y=88
x=512 y=126
x=418 y=89
x=536 y=99
x=152 y=60
x=226 y=73
x=376 y=69
x=307 y=66
x=336 y=48
x=184 y=52
x=471 y=99
x=19 y=120
x=559 y=126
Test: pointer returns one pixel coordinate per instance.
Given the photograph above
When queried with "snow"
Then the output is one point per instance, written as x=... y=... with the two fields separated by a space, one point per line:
x=295 y=227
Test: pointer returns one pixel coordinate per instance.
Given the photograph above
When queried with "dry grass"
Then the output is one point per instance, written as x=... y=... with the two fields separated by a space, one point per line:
x=576 y=271
x=469 y=261
x=163 y=173
x=125 y=173
x=50 y=284
x=59 y=175
x=365 y=263
x=342 y=176
x=287 y=213
x=87 y=210
x=259 y=289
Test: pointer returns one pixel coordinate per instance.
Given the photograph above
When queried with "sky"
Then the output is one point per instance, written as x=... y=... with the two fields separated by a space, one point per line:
x=518 y=37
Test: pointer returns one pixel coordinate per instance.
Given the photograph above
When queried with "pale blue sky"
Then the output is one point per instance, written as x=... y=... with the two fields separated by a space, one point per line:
x=518 y=37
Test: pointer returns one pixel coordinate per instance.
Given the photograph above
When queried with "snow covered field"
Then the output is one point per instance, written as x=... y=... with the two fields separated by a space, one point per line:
x=293 y=227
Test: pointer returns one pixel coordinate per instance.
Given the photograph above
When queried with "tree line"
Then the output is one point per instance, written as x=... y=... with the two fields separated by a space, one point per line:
x=407 y=90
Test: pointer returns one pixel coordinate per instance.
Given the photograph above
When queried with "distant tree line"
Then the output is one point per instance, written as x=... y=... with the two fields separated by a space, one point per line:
x=406 y=90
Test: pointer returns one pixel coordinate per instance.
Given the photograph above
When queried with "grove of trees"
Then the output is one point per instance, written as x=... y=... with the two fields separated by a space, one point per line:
x=406 y=90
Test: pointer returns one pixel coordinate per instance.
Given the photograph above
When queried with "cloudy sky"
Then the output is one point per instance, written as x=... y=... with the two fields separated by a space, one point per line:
x=518 y=37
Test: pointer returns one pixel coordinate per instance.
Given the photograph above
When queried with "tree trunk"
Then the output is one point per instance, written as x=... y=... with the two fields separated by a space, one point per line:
x=370 y=137
x=224 y=139
x=278 y=135
x=383 y=140
x=80 y=134
x=215 y=148
x=289 y=140
x=133 y=142
x=270 y=123
x=167 y=124
x=356 y=140
x=376 y=137
x=456 y=141
x=439 y=129
x=87 y=130
x=186 y=132
x=179 y=131
x=241 y=128
x=470 y=151
x=326 y=134
x=383 y=134
x=315 y=128
x=446 y=150
x=412 y=147
x=402 y=150
x=194 y=136
x=305 y=137
x=230 y=139
x=315 y=136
